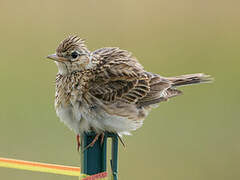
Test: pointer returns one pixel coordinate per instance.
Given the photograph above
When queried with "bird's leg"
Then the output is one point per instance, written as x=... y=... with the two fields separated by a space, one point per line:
x=78 y=142
x=102 y=139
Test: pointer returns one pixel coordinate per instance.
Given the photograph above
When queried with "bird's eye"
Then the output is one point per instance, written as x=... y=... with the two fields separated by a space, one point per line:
x=74 y=54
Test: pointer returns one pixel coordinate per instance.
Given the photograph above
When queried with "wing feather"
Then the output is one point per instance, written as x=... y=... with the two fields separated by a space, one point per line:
x=120 y=77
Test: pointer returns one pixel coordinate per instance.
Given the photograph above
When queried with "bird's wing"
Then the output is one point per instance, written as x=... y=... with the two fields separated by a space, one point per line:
x=120 y=77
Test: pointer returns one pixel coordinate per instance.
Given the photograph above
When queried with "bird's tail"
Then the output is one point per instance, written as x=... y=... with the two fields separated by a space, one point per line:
x=190 y=79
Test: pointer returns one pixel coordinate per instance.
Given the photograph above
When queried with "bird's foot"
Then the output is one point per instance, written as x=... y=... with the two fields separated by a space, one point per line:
x=95 y=140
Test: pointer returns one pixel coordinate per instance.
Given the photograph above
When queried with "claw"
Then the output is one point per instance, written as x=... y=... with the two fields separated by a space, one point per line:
x=121 y=140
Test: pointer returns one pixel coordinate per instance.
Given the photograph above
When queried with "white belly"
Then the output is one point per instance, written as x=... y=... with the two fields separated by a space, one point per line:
x=81 y=118
x=101 y=121
x=72 y=119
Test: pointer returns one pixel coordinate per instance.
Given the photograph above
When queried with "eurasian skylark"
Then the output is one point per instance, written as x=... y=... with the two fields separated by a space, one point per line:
x=108 y=90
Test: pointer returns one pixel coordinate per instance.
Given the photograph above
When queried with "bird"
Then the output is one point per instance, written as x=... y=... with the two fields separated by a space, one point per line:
x=108 y=90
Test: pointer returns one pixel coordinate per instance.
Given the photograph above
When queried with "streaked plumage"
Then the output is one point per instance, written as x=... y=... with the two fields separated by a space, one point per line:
x=108 y=89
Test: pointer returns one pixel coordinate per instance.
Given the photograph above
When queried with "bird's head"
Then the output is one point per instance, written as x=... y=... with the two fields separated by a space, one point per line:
x=71 y=55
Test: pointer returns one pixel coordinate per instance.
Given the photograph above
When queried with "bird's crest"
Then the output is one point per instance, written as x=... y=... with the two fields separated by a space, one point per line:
x=70 y=43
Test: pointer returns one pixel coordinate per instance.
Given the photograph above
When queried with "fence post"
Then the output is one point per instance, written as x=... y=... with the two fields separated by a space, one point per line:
x=114 y=160
x=93 y=159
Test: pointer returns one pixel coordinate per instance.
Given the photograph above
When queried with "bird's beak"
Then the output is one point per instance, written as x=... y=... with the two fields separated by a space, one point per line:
x=53 y=57
x=56 y=58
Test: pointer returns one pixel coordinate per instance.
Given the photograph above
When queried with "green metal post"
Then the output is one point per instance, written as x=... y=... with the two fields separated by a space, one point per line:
x=93 y=159
x=114 y=160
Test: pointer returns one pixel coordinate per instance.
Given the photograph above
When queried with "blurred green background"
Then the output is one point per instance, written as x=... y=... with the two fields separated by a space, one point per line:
x=191 y=137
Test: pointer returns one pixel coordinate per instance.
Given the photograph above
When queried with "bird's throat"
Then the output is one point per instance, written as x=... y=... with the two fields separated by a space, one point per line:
x=62 y=68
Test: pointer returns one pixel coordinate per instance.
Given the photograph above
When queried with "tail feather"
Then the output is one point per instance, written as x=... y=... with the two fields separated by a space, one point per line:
x=163 y=88
x=190 y=79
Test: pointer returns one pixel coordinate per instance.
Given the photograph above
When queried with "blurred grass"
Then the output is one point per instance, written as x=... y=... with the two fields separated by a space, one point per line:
x=194 y=136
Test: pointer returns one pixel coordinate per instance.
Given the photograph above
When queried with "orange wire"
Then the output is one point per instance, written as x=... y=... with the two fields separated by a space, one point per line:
x=37 y=164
